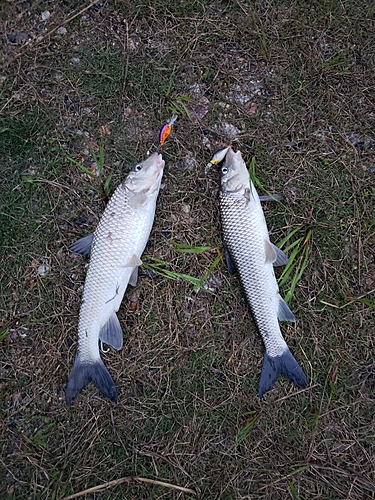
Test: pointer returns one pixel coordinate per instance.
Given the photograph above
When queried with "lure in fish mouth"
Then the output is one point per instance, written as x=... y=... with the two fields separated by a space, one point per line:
x=249 y=251
x=115 y=249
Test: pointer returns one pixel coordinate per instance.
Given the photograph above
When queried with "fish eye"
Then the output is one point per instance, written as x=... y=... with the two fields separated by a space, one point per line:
x=137 y=168
x=224 y=170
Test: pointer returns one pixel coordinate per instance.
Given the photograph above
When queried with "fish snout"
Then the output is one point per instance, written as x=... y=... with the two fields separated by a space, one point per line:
x=159 y=162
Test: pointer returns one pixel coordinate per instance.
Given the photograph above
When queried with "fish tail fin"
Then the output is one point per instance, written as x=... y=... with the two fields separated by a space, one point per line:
x=274 y=365
x=83 y=372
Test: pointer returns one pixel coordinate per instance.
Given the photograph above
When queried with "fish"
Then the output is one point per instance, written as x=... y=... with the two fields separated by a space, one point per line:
x=166 y=129
x=249 y=251
x=115 y=249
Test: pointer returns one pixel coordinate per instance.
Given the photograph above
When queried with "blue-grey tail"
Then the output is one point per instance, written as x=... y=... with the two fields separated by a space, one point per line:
x=273 y=366
x=83 y=372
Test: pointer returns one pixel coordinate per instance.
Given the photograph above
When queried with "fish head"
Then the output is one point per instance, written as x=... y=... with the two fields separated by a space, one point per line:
x=234 y=174
x=145 y=177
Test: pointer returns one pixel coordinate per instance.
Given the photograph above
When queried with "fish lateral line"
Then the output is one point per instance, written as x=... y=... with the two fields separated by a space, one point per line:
x=116 y=293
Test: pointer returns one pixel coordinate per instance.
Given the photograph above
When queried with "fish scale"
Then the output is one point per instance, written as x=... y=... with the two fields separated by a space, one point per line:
x=248 y=255
x=110 y=251
x=115 y=250
x=249 y=251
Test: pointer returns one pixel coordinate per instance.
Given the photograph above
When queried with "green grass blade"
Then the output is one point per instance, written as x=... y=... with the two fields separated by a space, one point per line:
x=256 y=181
x=182 y=248
x=100 y=164
x=299 y=264
x=289 y=236
x=158 y=267
x=366 y=302
x=3 y=334
x=82 y=167
x=107 y=183
x=209 y=272
x=290 y=265
x=246 y=430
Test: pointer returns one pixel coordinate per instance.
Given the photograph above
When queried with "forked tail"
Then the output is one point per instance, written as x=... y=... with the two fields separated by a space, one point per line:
x=273 y=366
x=83 y=372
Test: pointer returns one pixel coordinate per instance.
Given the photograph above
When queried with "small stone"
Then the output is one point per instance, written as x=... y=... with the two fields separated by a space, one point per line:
x=46 y=15
x=62 y=30
x=43 y=270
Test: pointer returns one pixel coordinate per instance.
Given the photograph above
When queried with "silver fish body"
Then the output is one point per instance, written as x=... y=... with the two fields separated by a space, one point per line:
x=249 y=251
x=115 y=250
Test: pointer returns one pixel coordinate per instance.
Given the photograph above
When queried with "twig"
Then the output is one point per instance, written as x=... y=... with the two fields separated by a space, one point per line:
x=129 y=479
x=348 y=303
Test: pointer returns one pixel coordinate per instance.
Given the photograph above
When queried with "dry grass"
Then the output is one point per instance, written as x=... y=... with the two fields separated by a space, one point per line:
x=293 y=83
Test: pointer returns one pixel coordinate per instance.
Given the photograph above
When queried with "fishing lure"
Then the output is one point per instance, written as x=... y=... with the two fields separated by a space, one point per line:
x=166 y=129
x=217 y=158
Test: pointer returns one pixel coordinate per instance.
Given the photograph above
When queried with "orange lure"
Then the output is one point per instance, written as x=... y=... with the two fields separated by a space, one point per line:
x=166 y=129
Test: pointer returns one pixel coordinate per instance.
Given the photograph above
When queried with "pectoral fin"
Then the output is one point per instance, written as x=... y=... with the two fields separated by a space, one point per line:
x=270 y=197
x=111 y=333
x=83 y=245
x=274 y=255
x=228 y=258
x=138 y=200
x=284 y=313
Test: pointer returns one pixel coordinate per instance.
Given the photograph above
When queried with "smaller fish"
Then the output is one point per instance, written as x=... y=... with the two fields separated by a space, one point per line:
x=166 y=129
x=249 y=251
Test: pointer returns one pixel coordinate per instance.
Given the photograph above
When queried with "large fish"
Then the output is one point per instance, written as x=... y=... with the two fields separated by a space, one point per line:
x=115 y=249
x=249 y=251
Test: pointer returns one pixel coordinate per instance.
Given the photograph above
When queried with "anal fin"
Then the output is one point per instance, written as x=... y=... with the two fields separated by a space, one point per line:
x=111 y=333
x=284 y=313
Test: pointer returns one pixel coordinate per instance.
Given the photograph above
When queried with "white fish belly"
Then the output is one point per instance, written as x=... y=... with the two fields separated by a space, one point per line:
x=122 y=233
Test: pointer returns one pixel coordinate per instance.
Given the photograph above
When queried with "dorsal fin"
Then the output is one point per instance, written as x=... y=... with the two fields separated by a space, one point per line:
x=83 y=245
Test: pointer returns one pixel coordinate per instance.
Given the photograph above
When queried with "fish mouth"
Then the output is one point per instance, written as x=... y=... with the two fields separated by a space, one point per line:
x=160 y=163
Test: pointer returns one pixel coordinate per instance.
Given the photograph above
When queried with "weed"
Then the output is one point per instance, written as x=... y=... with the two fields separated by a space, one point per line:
x=104 y=188
x=297 y=262
x=252 y=417
x=178 y=107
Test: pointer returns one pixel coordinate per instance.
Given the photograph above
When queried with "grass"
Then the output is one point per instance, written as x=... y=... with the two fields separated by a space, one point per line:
x=293 y=80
